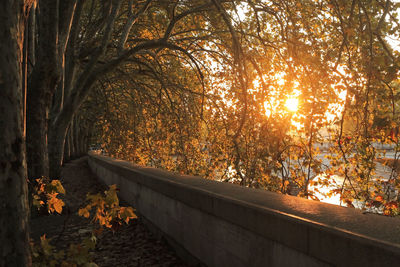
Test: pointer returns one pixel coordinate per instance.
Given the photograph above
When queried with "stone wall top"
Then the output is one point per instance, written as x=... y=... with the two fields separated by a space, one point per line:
x=322 y=230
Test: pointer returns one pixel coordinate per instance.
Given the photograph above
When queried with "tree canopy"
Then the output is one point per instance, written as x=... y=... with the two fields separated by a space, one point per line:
x=216 y=103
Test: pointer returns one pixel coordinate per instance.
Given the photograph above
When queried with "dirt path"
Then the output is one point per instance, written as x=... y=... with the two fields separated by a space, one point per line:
x=132 y=245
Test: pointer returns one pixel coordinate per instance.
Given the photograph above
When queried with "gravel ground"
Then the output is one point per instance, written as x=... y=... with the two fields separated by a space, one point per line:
x=131 y=245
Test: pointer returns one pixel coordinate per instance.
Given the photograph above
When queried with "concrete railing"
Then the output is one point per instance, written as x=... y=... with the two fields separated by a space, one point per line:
x=222 y=224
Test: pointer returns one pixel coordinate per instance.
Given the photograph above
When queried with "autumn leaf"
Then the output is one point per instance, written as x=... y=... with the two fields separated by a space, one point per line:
x=54 y=203
x=127 y=214
x=55 y=186
x=111 y=196
x=84 y=212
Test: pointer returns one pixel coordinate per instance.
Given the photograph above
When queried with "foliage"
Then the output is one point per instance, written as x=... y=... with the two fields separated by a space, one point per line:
x=44 y=254
x=104 y=211
x=46 y=193
x=333 y=56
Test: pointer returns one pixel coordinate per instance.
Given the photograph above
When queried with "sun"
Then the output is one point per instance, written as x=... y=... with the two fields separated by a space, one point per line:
x=292 y=104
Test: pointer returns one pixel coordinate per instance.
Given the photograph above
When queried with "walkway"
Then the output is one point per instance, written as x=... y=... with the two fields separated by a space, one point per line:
x=132 y=245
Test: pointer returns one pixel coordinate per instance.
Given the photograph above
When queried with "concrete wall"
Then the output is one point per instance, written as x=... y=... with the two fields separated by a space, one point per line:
x=222 y=224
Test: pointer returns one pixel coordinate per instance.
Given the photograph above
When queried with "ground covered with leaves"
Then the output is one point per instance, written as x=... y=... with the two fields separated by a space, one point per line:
x=129 y=245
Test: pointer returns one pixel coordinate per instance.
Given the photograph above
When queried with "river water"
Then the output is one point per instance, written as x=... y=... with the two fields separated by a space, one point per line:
x=382 y=172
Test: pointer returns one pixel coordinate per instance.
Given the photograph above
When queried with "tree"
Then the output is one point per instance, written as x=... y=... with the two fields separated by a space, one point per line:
x=14 y=234
x=332 y=55
x=77 y=43
x=315 y=50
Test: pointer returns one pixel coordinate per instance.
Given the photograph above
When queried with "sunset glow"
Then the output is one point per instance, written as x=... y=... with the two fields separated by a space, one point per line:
x=323 y=192
x=335 y=110
x=270 y=106
x=292 y=104
x=274 y=104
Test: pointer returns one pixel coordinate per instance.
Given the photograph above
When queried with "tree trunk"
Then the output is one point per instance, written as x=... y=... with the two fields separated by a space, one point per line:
x=71 y=140
x=67 y=147
x=57 y=136
x=42 y=85
x=76 y=136
x=36 y=124
x=14 y=234
x=83 y=142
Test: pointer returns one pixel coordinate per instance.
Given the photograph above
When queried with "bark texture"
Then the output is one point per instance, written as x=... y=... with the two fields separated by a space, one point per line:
x=42 y=83
x=14 y=232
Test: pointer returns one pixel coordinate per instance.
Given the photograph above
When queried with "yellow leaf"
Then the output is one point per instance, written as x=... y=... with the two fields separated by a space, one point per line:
x=84 y=212
x=127 y=214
